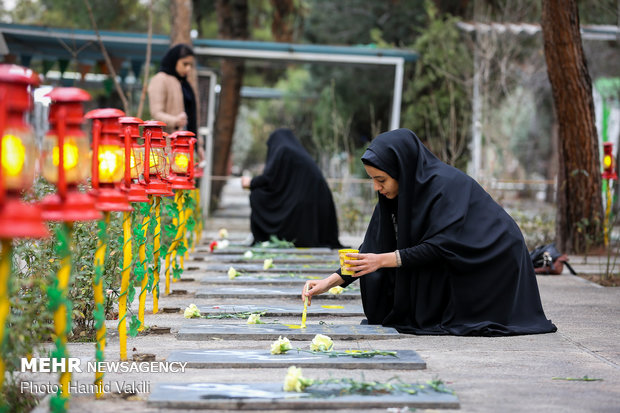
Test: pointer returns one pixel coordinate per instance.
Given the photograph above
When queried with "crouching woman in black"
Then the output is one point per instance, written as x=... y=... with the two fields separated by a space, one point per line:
x=440 y=256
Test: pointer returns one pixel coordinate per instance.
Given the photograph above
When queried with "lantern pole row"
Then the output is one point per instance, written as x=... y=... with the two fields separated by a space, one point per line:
x=123 y=172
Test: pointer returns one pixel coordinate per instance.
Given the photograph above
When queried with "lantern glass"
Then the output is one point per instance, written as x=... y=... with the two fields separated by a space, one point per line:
x=19 y=154
x=136 y=162
x=180 y=162
x=76 y=159
x=158 y=162
x=111 y=163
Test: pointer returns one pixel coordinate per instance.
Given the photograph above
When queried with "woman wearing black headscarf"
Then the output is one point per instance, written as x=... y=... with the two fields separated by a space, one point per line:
x=291 y=199
x=171 y=97
x=440 y=256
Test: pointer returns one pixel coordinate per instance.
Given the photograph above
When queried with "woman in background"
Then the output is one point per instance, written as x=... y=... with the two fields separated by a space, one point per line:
x=172 y=98
x=291 y=199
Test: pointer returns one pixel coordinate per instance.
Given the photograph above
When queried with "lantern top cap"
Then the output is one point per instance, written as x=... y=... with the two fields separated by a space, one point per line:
x=104 y=113
x=153 y=123
x=182 y=134
x=18 y=74
x=610 y=144
x=68 y=94
x=130 y=120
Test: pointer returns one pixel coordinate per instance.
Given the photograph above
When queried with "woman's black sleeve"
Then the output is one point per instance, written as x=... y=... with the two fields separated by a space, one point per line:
x=258 y=181
x=347 y=279
x=418 y=255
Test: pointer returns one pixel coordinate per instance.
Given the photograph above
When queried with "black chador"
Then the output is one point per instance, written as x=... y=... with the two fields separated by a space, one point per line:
x=465 y=267
x=291 y=199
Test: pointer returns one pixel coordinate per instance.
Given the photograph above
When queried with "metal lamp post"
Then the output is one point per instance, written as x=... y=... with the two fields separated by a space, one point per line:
x=17 y=170
x=156 y=170
x=108 y=169
x=134 y=166
x=65 y=163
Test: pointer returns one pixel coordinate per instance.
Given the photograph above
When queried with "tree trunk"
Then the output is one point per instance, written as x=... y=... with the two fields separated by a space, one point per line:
x=282 y=26
x=232 y=19
x=579 y=200
x=181 y=19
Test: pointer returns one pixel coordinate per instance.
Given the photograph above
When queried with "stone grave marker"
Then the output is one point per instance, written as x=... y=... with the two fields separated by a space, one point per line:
x=253 y=278
x=270 y=396
x=326 y=269
x=255 y=292
x=291 y=259
x=241 y=250
x=404 y=360
x=344 y=310
x=206 y=331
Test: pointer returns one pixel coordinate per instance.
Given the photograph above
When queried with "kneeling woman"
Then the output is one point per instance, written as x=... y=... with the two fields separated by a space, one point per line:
x=440 y=256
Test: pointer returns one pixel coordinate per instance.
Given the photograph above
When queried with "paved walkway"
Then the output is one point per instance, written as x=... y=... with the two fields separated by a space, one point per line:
x=510 y=374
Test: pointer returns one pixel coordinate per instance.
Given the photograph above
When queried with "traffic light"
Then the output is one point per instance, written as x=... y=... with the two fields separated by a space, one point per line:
x=609 y=165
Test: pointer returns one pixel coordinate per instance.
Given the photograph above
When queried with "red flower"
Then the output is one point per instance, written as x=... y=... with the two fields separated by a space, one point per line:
x=212 y=245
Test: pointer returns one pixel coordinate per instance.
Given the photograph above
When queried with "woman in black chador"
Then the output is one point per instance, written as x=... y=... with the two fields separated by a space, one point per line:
x=291 y=199
x=439 y=255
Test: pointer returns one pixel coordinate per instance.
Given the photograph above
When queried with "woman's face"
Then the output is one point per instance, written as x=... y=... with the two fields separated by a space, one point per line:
x=184 y=65
x=382 y=182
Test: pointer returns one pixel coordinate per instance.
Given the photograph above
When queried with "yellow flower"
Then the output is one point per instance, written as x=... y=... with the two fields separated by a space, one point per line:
x=254 y=319
x=232 y=273
x=294 y=381
x=191 y=311
x=223 y=233
x=280 y=346
x=336 y=290
x=268 y=263
x=321 y=343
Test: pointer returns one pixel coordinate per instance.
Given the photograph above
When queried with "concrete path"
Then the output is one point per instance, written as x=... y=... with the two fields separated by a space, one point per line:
x=538 y=373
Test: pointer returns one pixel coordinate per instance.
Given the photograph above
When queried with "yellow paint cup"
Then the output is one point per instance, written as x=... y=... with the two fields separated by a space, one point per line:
x=344 y=268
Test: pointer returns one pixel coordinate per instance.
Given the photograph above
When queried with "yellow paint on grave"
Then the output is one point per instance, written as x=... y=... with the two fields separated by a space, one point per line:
x=333 y=307
x=293 y=326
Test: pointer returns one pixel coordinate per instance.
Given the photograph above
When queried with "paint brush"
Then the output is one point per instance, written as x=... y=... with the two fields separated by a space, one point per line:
x=303 y=315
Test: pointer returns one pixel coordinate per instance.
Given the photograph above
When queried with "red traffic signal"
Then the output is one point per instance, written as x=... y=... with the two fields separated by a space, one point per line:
x=609 y=164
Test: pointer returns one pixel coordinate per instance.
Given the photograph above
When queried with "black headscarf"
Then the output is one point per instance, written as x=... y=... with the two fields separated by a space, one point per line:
x=168 y=65
x=291 y=199
x=471 y=272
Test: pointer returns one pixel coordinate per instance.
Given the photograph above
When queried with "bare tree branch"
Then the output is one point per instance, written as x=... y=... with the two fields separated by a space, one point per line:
x=147 y=62
x=108 y=61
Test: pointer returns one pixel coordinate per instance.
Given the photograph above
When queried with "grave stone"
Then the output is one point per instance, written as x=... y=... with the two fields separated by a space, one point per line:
x=405 y=360
x=326 y=269
x=206 y=331
x=280 y=259
x=254 y=292
x=344 y=310
x=242 y=250
x=270 y=396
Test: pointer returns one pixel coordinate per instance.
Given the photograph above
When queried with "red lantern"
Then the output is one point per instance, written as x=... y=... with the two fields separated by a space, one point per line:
x=182 y=160
x=134 y=159
x=65 y=158
x=156 y=170
x=609 y=166
x=108 y=161
x=18 y=155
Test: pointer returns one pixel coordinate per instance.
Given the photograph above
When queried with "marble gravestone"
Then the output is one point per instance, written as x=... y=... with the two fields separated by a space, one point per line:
x=254 y=292
x=270 y=396
x=404 y=360
x=316 y=268
x=344 y=310
x=207 y=331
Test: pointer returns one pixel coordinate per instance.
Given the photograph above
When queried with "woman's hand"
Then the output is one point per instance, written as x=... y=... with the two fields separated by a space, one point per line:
x=316 y=287
x=245 y=182
x=367 y=263
x=181 y=120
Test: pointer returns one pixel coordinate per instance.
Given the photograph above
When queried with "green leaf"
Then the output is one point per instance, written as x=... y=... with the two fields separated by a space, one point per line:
x=134 y=325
